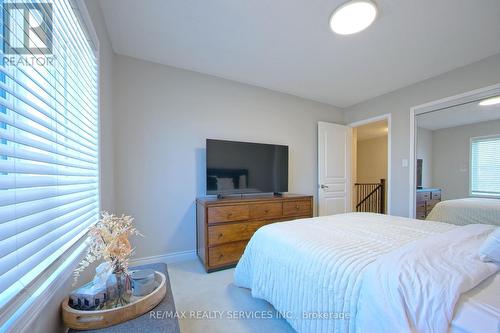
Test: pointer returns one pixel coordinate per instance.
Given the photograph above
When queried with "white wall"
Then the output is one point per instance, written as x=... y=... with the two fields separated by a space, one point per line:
x=49 y=320
x=398 y=103
x=107 y=147
x=163 y=116
x=450 y=154
x=424 y=151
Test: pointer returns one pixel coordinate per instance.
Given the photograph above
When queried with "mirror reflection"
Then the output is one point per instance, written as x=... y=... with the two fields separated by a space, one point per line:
x=457 y=151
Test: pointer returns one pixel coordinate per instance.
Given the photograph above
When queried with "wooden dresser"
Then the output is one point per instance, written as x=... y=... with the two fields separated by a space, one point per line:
x=427 y=198
x=224 y=226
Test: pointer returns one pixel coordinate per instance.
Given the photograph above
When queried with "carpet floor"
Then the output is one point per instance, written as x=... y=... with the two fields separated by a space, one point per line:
x=212 y=303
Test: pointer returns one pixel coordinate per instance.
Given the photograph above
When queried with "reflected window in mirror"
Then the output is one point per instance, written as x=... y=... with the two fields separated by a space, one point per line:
x=485 y=166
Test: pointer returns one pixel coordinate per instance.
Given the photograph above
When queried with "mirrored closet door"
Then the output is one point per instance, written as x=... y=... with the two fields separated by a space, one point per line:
x=456 y=151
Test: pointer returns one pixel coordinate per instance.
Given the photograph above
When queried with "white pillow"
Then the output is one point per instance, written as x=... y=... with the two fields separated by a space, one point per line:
x=490 y=250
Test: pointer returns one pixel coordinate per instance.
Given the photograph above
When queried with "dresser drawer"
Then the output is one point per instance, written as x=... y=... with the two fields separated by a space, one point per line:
x=228 y=213
x=266 y=211
x=224 y=226
x=421 y=207
x=226 y=254
x=225 y=233
x=423 y=196
x=436 y=195
x=421 y=215
x=297 y=208
x=430 y=204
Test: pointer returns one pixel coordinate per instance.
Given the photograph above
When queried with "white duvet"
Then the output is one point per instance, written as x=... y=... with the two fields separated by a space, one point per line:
x=314 y=270
x=416 y=288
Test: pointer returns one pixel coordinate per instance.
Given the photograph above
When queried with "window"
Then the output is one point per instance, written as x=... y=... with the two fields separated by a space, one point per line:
x=485 y=166
x=49 y=166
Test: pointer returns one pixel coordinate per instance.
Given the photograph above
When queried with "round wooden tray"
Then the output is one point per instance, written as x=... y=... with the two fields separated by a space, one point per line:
x=88 y=320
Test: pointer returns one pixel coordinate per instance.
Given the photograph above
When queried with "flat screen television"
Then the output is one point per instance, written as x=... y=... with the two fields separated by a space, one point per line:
x=243 y=167
x=420 y=163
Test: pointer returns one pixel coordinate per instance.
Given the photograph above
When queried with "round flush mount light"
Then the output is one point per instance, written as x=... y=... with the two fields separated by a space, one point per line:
x=353 y=16
x=490 y=101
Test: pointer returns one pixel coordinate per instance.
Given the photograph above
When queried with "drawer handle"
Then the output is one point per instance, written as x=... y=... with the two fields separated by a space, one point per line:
x=221 y=256
x=266 y=211
x=297 y=206
x=229 y=214
x=221 y=235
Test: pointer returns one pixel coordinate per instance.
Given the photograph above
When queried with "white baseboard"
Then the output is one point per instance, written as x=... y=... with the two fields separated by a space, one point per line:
x=168 y=258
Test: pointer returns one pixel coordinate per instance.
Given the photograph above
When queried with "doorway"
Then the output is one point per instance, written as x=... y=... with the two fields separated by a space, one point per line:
x=341 y=187
x=371 y=156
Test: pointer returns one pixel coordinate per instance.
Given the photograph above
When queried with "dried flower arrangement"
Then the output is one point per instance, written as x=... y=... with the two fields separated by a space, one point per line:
x=109 y=241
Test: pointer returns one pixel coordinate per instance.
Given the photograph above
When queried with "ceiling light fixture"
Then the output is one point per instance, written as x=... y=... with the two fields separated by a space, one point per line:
x=353 y=16
x=490 y=101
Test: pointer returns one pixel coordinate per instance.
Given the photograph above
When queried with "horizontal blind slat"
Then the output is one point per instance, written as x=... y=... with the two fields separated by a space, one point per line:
x=33 y=207
x=25 y=35
x=81 y=44
x=48 y=92
x=13 y=196
x=27 y=235
x=53 y=92
x=26 y=181
x=18 y=166
x=22 y=152
x=30 y=140
x=45 y=110
x=10 y=228
x=45 y=249
x=73 y=145
x=50 y=122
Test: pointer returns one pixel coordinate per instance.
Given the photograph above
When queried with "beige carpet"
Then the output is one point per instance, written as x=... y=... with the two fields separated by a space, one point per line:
x=219 y=302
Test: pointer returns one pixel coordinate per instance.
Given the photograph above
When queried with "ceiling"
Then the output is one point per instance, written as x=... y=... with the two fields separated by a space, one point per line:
x=287 y=45
x=373 y=130
x=465 y=114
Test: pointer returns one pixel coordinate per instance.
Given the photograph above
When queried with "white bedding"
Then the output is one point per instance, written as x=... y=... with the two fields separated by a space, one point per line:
x=415 y=288
x=467 y=211
x=315 y=267
x=478 y=310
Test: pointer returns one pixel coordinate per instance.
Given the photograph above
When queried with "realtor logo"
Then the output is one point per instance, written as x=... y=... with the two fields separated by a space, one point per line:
x=27 y=28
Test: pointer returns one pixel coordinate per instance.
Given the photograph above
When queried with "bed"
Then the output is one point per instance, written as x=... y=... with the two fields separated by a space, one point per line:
x=361 y=272
x=467 y=211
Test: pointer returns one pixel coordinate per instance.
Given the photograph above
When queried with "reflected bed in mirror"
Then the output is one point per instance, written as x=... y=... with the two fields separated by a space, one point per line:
x=467 y=211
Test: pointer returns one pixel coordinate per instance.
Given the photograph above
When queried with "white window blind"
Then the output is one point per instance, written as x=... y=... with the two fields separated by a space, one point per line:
x=49 y=172
x=485 y=166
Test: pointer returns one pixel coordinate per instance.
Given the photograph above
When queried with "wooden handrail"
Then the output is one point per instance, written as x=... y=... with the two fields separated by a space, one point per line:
x=373 y=200
x=369 y=195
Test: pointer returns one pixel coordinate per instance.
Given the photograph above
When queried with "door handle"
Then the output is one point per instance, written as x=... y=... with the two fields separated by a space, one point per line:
x=324 y=186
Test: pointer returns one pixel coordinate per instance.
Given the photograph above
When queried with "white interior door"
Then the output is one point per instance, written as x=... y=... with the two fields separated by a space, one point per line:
x=334 y=168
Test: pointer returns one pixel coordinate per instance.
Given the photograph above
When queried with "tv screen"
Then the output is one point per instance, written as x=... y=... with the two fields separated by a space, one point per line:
x=243 y=167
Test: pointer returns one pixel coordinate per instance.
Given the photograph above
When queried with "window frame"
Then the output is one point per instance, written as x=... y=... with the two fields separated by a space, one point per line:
x=22 y=310
x=471 y=192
